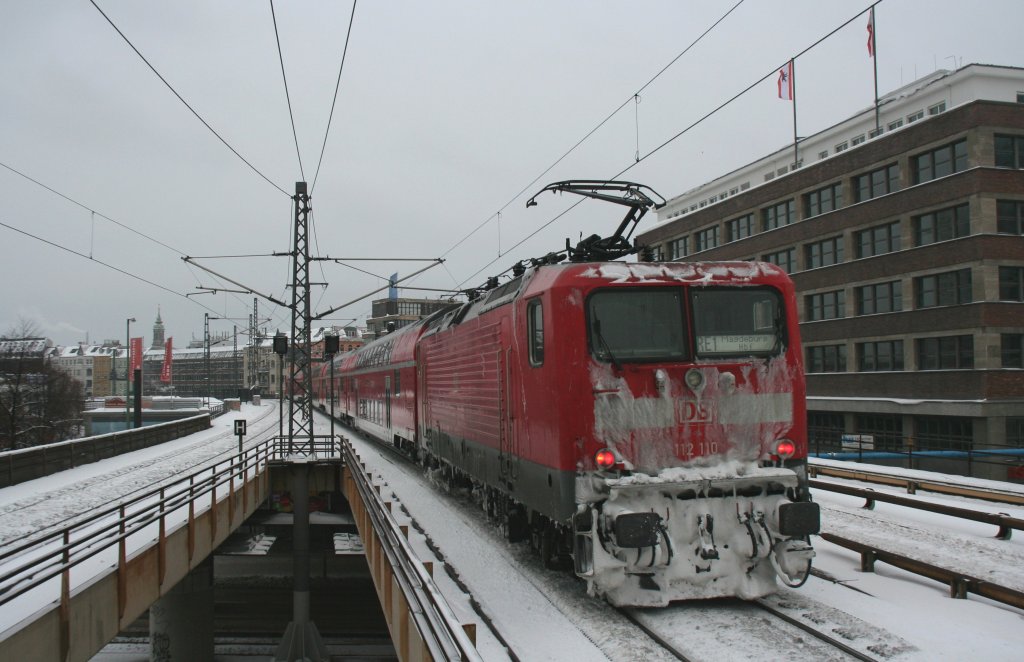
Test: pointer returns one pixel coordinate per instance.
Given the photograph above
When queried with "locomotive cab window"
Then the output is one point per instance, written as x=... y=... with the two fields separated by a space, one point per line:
x=637 y=324
x=737 y=321
x=535 y=331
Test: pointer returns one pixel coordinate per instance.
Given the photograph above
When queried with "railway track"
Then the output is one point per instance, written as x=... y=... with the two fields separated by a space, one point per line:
x=718 y=629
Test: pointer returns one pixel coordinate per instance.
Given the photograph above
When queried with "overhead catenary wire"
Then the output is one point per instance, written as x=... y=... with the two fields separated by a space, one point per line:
x=678 y=135
x=631 y=98
x=287 y=96
x=180 y=98
x=101 y=263
x=337 y=86
x=93 y=211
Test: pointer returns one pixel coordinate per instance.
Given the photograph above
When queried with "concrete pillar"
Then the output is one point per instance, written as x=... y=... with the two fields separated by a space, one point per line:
x=181 y=622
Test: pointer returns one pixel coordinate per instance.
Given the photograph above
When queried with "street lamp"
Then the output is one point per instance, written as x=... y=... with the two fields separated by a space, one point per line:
x=127 y=373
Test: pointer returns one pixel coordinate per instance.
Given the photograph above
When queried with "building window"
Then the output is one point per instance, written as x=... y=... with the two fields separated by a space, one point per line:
x=857 y=139
x=878 y=240
x=887 y=429
x=947 y=289
x=876 y=183
x=880 y=356
x=939 y=162
x=937 y=108
x=944 y=433
x=942 y=225
x=778 y=215
x=1010 y=217
x=823 y=154
x=738 y=228
x=895 y=125
x=913 y=117
x=706 y=239
x=841 y=147
x=1011 y=283
x=825 y=306
x=658 y=253
x=1009 y=151
x=535 y=330
x=826 y=358
x=946 y=353
x=823 y=200
x=784 y=258
x=1020 y=97
x=1011 y=349
x=823 y=253
x=874 y=133
x=879 y=298
x=678 y=248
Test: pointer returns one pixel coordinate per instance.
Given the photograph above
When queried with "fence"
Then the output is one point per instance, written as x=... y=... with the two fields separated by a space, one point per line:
x=30 y=463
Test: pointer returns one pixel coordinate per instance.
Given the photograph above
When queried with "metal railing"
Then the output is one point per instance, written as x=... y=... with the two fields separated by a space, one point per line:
x=441 y=632
x=33 y=561
x=1005 y=522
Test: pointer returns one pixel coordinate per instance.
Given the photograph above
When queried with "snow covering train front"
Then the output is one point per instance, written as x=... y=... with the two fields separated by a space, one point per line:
x=692 y=480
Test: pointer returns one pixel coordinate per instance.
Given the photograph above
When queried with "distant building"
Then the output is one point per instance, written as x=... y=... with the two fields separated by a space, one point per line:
x=905 y=244
x=395 y=313
x=94 y=367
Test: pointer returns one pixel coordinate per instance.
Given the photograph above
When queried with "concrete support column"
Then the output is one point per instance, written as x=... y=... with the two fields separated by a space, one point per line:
x=181 y=622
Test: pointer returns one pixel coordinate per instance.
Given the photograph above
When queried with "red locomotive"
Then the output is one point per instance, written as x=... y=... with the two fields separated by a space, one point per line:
x=645 y=419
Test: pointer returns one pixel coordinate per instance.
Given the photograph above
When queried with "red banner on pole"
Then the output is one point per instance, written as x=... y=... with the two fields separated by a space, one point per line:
x=136 y=349
x=165 y=371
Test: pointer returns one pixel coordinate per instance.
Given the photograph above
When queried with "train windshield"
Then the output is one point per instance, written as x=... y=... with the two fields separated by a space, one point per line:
x=637 y=324
x=737 y=321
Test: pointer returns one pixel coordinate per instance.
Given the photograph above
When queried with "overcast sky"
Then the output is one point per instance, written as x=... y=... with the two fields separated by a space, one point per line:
x=446 y=111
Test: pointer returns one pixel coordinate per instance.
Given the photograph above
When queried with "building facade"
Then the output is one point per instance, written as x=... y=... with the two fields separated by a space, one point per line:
x=391 y=314
x=906 y=248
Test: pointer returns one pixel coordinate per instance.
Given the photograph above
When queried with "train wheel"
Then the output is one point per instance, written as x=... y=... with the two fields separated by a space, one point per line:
x=517 y=527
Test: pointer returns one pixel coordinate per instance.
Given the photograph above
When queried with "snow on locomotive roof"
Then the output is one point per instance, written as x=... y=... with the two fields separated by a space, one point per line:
x=693 y=272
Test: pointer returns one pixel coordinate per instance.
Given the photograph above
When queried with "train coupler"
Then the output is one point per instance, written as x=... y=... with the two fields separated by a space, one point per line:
x=705 y=531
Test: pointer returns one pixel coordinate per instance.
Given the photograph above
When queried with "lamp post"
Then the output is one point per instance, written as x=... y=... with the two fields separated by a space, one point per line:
x=128 y=373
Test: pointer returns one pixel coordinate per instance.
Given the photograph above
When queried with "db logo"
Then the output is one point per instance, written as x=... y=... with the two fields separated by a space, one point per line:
x=688 y=411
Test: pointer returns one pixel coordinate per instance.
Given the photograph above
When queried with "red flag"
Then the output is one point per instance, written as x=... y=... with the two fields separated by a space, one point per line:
x=871 y=33
x=136 y=350
x=165 y=371
x=786 y=81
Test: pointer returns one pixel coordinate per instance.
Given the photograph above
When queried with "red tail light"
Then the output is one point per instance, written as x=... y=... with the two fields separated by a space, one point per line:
x=785 y=448
x=604 y=458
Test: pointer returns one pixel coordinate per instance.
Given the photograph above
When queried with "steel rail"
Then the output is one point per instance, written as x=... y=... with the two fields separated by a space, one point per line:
x=960 y=584
x=441 y=631
x=817 y=634
x=914 y=484
x=1005 y=522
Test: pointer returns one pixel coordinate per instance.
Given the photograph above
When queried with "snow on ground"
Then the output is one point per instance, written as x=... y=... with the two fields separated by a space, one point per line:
x=548 y=616
x=54 y=500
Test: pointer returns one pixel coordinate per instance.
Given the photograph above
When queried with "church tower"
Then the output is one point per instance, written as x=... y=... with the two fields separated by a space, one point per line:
x=158 y=331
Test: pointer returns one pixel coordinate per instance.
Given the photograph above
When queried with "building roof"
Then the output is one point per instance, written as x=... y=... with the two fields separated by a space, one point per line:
x=948 y=88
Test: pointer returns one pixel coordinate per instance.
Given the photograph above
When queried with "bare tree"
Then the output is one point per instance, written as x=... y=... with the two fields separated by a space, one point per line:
x=39 y=404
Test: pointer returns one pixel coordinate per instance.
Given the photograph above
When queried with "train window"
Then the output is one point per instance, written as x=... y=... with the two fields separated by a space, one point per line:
x=398 y=382
x=535 y=330
x=737 y=321
x=637 y=324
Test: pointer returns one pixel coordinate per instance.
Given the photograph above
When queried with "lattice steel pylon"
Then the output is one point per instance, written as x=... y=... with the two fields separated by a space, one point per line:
x=300 y=421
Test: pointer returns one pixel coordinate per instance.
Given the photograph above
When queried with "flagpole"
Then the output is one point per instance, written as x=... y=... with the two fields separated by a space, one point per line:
x=874 y=61
x=792 y=74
